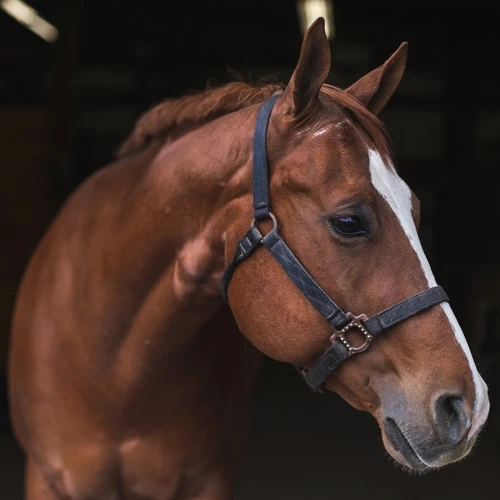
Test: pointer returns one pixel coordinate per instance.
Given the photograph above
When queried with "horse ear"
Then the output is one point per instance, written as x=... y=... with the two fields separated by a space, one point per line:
x=376 y=88
x=311 y=70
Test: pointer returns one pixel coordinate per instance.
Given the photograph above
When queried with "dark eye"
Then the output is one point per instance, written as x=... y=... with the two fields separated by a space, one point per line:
x=349 y=225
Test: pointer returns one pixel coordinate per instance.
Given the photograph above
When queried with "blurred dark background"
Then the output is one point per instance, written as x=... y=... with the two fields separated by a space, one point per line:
x=66 y=105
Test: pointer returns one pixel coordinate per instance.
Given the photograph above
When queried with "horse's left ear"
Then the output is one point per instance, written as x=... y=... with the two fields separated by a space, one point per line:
x=311 y=71
x=376 y=88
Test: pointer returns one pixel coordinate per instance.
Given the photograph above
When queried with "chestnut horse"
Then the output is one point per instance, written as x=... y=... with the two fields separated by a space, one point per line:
x=129 y=376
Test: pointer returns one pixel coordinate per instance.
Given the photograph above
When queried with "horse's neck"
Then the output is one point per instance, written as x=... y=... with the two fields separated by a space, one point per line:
x=182 y=218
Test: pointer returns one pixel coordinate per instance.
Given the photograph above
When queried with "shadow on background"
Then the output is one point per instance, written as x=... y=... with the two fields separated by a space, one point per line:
x=65 y=107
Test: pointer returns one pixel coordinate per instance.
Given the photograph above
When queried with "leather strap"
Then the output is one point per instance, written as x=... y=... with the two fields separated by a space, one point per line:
x=304 y=281
x=261 y=202
x=405 y=309
x=336 y=354
x=245 y=247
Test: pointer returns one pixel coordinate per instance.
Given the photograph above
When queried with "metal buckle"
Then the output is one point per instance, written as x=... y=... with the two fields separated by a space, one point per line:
x=355 y=322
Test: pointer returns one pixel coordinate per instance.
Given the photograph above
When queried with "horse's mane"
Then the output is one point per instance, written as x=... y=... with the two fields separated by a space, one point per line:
x=370 y=123
x=175 y=117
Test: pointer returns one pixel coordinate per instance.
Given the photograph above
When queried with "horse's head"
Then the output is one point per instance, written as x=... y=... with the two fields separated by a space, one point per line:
x=352 y=222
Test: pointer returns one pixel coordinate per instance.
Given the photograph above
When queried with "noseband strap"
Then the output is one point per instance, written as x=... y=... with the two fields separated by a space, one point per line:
x=341 y=322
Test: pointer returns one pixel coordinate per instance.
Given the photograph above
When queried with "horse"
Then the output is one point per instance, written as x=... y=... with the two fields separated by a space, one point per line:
x=130 y=376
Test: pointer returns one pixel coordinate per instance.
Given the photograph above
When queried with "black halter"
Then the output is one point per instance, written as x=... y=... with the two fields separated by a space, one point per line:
x=340 y=321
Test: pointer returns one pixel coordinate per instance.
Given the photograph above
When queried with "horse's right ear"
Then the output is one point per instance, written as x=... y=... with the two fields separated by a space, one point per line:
x=376 y=88
x=311 y=71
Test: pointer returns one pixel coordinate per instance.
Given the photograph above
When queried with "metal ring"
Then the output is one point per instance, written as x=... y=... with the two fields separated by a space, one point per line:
x=271 y=216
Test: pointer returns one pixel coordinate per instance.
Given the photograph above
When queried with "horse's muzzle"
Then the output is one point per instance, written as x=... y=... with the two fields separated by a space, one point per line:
x=431 y=441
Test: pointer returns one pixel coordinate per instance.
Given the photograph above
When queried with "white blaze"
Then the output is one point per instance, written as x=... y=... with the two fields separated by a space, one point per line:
x=398 y=195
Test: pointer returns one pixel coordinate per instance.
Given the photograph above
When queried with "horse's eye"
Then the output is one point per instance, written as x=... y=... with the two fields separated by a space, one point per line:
x=349 y=225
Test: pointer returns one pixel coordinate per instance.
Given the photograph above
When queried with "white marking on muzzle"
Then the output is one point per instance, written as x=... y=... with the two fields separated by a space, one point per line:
x=398 y=195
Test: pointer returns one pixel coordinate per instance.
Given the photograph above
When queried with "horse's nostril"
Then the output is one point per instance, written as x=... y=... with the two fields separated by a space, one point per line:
x=451 y=418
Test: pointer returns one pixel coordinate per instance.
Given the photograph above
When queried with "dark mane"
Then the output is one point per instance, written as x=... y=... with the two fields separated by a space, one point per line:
x=175 y=117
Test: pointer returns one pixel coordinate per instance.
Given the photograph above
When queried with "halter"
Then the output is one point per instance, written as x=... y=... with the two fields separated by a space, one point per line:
x=340 y=321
